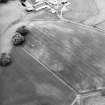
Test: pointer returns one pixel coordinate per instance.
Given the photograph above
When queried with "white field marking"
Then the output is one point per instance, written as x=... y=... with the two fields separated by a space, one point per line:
x=51 y=72
x=75 y=100
x=82 y=96
x=6 y=38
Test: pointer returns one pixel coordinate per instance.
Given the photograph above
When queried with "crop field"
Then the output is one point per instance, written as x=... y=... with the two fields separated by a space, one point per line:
x=60 y=63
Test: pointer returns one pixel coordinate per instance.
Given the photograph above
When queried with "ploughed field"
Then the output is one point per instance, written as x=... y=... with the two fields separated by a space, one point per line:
x=60 y=63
